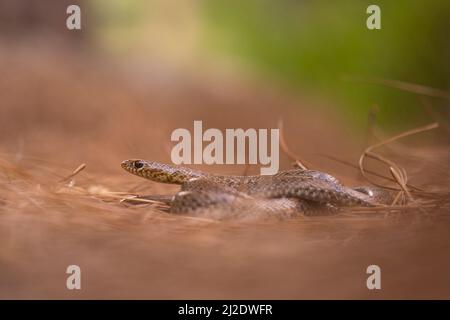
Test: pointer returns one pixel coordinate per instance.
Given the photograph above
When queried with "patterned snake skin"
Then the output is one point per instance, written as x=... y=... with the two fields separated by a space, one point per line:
x=294 y=191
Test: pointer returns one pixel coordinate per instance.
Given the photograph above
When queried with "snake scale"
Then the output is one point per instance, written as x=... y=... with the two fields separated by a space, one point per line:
x=293 y=191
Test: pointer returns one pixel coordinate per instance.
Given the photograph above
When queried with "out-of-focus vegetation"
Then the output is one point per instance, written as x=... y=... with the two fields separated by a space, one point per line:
x=310 y=45
x=316 y=43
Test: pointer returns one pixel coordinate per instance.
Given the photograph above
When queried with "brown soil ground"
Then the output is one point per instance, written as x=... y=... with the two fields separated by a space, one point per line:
x=59 y=110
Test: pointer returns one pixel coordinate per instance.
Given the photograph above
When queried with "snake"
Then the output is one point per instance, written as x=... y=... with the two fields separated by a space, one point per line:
x=294 y=190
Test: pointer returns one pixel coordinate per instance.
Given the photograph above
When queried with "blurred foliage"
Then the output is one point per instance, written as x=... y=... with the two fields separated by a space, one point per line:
x=310 y=45
x=313 y=44
x=118 y=22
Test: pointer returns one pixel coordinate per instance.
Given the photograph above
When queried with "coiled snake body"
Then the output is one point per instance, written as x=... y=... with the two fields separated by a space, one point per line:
x=293 y=191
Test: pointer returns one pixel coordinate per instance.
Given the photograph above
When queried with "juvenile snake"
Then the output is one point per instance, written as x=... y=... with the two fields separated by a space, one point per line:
x=295 y=190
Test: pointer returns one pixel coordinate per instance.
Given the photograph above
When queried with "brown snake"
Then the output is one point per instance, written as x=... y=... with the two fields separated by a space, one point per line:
x=296 y=190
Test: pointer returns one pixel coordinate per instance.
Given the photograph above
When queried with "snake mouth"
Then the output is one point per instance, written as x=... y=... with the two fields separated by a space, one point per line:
x=126 y=164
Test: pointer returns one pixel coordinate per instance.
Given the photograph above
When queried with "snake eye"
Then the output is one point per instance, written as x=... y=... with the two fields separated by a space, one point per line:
x=138 y=164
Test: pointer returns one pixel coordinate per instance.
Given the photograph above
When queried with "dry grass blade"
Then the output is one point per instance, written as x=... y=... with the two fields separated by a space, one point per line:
x=368 y=152
x=428 y=107
x=137 y=199
x=401 y=180
x=402 y=85
x=298 y=160
x=428 y=127
x=386 y=161
x=134 y=200
x=379 y=175
x=396 y=199
x=80 y=168
x=392 y=208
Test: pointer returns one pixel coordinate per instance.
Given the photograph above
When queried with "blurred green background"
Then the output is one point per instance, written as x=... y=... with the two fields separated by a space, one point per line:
x=307 y=45
x=315 y=44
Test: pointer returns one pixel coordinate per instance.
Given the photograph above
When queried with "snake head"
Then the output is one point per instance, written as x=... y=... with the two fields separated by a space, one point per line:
x=160 y=172
x=134 y=165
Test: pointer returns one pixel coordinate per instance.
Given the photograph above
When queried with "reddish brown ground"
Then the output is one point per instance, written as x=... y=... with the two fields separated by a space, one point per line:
x=59 y=110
